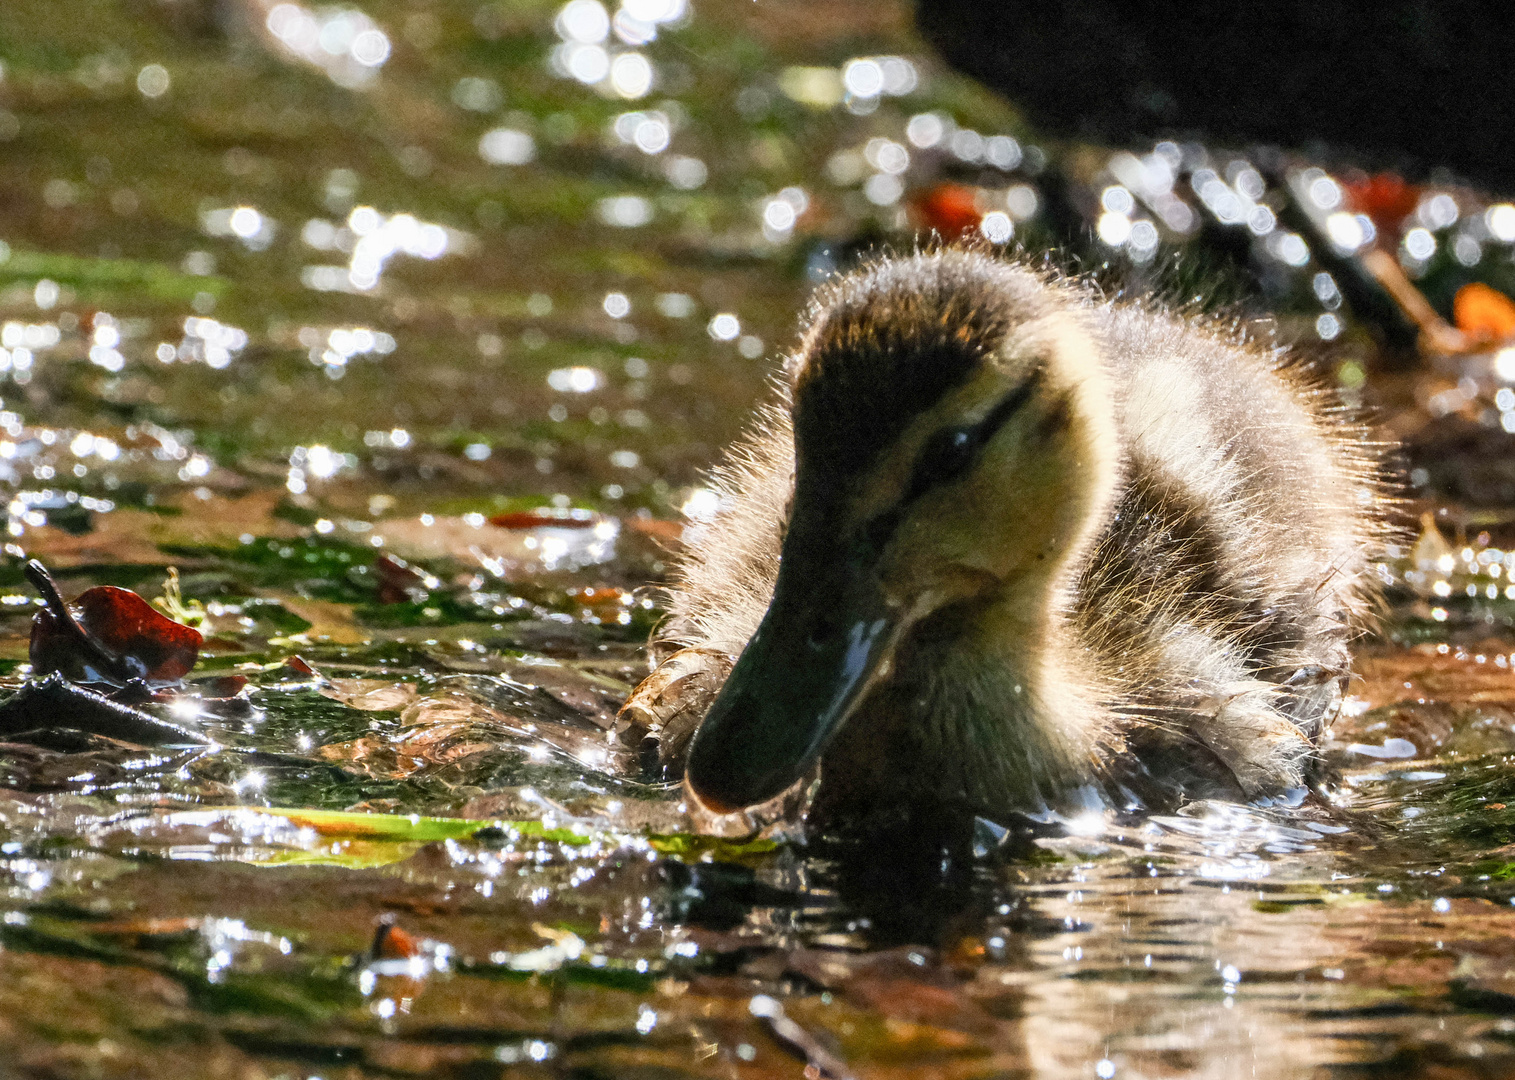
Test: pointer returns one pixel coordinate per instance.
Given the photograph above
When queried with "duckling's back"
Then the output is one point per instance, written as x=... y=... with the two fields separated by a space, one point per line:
x=1237 y=564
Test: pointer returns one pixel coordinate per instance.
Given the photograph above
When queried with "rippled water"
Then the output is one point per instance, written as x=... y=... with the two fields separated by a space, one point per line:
x=403 y=334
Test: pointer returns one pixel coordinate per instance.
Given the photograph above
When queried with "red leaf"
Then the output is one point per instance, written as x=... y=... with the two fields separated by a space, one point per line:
x=951 y=209
x=107 y=635
x=1385 y=198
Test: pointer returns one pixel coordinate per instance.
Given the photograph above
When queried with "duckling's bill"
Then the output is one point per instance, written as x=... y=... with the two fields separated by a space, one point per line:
x=826 y=639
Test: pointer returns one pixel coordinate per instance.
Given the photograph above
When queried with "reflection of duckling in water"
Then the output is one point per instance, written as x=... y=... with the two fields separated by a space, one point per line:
x=1002 y=542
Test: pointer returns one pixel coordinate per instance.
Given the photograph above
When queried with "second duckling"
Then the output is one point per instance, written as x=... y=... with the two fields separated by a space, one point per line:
x=1002 y=543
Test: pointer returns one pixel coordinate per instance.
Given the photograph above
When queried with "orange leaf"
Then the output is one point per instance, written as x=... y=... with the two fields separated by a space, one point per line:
x=392 y=943
x=1480 y=311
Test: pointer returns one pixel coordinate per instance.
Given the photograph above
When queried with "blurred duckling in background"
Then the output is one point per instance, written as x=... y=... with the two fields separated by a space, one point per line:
x=1003 y=545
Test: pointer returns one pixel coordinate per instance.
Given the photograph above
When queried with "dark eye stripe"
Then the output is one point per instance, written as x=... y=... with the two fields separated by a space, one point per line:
x=965 y=445
x=1008 y=406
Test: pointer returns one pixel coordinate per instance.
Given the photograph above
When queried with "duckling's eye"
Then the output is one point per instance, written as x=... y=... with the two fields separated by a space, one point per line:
x=946 y=455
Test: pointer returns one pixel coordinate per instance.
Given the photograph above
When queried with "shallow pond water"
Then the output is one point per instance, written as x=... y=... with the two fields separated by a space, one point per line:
x=403 y=335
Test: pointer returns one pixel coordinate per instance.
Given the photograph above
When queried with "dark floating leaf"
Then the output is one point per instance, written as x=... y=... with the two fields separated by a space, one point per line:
x=399 y=581
x=108 y=635
x=54 y=702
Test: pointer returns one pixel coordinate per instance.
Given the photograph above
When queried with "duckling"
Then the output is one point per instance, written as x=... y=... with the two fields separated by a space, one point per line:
x=1000 y=543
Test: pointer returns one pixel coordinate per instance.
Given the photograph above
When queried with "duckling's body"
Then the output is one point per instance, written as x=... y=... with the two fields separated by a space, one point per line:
x=1032 y=542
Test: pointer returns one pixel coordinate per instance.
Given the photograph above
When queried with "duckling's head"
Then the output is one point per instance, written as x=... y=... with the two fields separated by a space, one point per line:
x=955 y=451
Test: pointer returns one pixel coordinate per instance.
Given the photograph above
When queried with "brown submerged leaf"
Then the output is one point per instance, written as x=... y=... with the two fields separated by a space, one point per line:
x=413 y=749
x=400 y=582
x=447 y=726
x=550 y=516
x=370 y=695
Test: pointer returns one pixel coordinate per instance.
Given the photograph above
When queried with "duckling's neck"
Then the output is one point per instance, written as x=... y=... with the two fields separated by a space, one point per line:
x=983 y=712
x=986 y=708
x=1026 y=689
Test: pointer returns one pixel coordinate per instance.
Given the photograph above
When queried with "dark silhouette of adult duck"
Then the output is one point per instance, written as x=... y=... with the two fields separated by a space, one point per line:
x=1002 y=543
